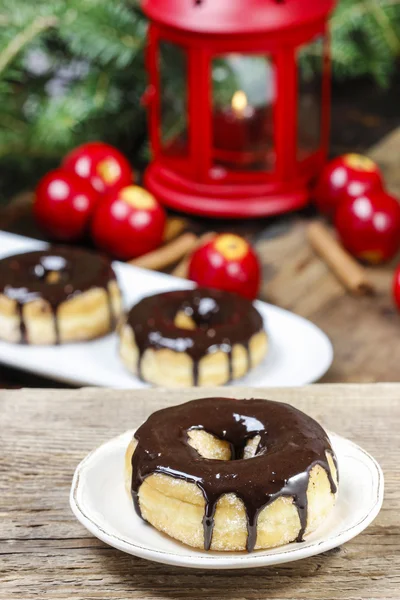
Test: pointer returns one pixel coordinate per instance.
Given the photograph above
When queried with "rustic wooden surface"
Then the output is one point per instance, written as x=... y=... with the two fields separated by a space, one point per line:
x=365 y=331
x=46 y=553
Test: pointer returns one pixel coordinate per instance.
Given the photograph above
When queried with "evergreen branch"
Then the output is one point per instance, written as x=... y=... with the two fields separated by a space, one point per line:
x=349 y=12
x=103 y=32
x=100 y=94
x=392 y=38
x=73 y=70
x=38 y=26
x=13 y=123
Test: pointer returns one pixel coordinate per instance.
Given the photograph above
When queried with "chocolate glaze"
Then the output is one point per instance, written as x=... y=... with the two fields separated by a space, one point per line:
x=291 y=444
x=222 y=320
x=24 y=278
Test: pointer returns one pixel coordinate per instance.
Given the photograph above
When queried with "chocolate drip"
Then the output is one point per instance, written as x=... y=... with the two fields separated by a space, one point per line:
x=20 y=309
x=247 y=348
x=195 y=372
x=54 y=275
x=113 y=320
x=229 y=354
x=56 y=327
x=139 y=365
x=291 y=444
x=222 y=319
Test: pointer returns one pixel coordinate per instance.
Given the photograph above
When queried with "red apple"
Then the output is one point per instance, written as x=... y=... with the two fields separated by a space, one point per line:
x=369 y=226
x=227 y=262
x=63 y=205
x=128 y=223
x=105 y=167
x=396 y=287
x=348 y=176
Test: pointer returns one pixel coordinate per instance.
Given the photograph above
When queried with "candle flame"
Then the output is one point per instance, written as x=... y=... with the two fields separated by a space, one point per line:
x=239 y=102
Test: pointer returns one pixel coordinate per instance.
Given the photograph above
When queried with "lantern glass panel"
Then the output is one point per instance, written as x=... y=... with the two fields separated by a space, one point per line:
x=173 y=99
x=244 y=95
x=310 y=61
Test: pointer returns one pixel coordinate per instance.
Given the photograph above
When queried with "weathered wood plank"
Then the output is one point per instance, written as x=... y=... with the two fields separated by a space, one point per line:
x=364 y=331
x=46 y=553
x=386 y=154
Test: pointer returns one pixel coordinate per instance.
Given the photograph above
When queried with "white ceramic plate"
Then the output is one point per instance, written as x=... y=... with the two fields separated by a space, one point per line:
x=300 y=353
x=100 y=502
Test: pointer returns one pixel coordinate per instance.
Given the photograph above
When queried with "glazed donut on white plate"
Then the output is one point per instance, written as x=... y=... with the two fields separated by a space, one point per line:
x=226 y=474
x=56 y=296
x=192 y=337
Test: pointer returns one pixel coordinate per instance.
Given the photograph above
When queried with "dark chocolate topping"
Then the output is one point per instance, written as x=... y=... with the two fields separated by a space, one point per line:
x=53 y=275
x=222 y=320
x=291 y=444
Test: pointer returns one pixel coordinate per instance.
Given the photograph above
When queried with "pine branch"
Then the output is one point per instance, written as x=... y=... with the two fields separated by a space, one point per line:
x=38 y=26
x=365 y=38
x=388 y=31
x=73 y=70
x=103 y=31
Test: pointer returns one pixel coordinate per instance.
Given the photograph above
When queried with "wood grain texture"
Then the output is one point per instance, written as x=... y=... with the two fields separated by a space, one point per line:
x=386 y=154
x=365 y=331
x=46 y=553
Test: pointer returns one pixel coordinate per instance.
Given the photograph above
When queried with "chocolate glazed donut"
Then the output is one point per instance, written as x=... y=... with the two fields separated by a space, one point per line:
x=290 y=445
x=221 y=319
x=54 y=275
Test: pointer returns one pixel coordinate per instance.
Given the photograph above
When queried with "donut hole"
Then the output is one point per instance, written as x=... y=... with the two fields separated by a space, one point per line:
x=201 y=312
x=51 y=269
x=209 y=446
x=184 y=321
x=251 y=447
x=53 y=277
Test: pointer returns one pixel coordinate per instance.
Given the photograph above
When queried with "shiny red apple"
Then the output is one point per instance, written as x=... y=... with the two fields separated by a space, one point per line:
x=227 y=262
x=128 y=223
x=63 y=205
x=105 y=167
x=369 y=226
x=348 y=176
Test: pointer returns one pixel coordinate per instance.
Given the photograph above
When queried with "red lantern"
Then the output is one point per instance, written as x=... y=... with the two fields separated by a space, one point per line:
x=238 y=104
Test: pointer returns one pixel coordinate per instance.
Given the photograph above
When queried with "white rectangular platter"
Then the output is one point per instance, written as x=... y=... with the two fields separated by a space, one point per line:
x=299 y=353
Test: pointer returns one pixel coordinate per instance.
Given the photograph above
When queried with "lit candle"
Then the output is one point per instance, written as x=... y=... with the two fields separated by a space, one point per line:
x=240 y=105
x=238 y=131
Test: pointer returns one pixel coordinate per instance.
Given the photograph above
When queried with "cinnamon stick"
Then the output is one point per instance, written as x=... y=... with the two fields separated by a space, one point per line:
x=174 y=227
x=347 y=270
x=18 y=207
x=181 y=269
x=166 y=255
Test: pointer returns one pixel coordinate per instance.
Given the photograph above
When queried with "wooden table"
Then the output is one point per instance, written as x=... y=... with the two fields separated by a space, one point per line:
x=46 y=553
x=365 y=331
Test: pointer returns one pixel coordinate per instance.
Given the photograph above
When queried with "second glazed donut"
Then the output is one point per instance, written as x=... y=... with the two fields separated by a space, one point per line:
x=192 y=337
